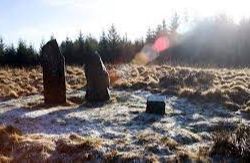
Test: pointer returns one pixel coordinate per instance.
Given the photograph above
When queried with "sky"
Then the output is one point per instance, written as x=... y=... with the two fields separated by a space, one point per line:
x=36 y=20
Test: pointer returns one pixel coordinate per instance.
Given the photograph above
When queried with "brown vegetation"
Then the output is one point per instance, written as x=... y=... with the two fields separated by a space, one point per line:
x=230 y=87
x=17 y=147
x=234 y=144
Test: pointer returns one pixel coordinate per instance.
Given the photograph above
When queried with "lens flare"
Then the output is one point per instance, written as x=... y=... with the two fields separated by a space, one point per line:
x=151 y=51
x=146 y=55
x=161 y=44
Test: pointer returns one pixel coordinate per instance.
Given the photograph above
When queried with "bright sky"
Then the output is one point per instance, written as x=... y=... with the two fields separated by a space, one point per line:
x=37 y=20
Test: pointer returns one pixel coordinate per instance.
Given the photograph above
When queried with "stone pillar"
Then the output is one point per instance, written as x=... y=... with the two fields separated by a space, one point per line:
x=53 y=64
x=97 y=79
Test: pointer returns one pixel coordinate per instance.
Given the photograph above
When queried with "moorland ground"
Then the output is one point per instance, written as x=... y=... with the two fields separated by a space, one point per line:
x=198 y=96
x=231 y=87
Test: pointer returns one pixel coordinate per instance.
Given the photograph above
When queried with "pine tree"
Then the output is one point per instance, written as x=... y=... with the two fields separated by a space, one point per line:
x=10 y=55
x=103 y=47
x=67 y=50
x=1 y=51
x=164 y=26
x=78 y=50
x=175 y=22
x=91 y=45
x=113 y=36
x=25 y=56
x=22 y=53
x=114 y=41
x=150 y=37
x=138 y=45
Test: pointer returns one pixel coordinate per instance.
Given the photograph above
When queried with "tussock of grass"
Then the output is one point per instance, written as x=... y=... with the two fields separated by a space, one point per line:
x=146 y=138
x=15 y=147
x=129 y=157
x=9 y=137
x=169 y=142
x=77 y=142
x=234 y=144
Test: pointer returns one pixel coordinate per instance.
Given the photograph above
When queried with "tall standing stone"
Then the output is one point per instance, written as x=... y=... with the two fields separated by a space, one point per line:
x=97 y=79
x=53 y=64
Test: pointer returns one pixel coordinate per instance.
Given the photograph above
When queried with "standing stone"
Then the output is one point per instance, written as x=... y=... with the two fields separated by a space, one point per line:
x=97 y=79
x=156 y=104
x=53 y=64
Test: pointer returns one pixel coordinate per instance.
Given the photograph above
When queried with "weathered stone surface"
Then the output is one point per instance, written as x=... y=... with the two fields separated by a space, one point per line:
x=156 y=104
x=97 y=79
x=53 y=64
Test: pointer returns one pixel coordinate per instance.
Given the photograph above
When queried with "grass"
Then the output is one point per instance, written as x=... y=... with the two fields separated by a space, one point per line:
x=169 y=142
x=231 y=87
x=16 y=147
x=17 y=82
x=226 y=86
x=9 y=138
x=234 y=144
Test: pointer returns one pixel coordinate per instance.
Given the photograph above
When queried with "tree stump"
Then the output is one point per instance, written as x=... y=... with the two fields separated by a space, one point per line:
x=53 y=64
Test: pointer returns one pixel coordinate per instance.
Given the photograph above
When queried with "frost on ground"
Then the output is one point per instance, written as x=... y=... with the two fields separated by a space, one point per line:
x=123 y=125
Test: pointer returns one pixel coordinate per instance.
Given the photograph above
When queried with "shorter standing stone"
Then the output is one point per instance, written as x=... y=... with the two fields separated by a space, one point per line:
x=97 y=79
x=53 y=64
x=156 y=104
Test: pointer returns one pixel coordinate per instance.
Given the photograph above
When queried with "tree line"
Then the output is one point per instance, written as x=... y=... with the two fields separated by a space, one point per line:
x=23 y=55
x=111 y=46
x=217 y=41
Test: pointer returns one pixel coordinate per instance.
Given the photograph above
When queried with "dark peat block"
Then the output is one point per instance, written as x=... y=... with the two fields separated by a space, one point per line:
x=156 y=104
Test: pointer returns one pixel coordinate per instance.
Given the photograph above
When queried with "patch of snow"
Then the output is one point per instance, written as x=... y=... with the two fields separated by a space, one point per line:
x=156 y=98
x=186 y=122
